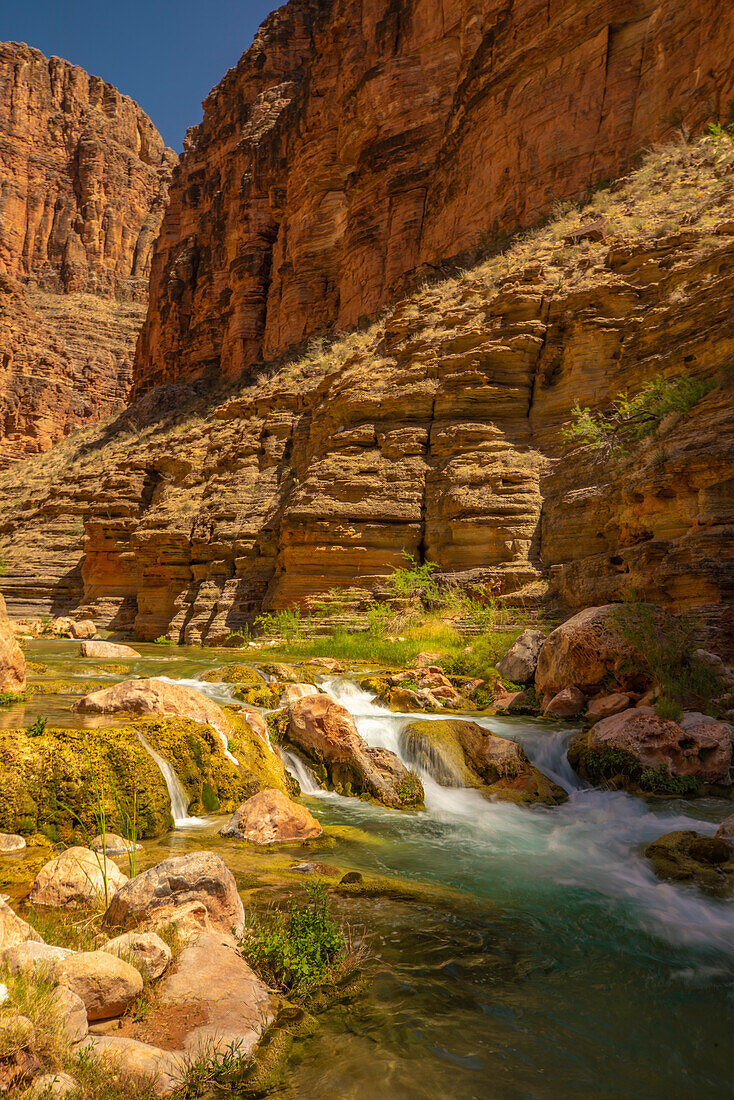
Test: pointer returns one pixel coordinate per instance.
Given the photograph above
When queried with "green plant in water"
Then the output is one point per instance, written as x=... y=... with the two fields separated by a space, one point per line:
x=38 y=727
x=630 y=419
x=299 y=949
x=213 y=1071
x=163 y=640
x=8 y=698
x=660 y=781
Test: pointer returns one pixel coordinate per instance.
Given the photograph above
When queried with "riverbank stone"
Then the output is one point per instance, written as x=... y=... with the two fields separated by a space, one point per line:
x=271 y=818
x=77 y=877
x=107 y=650
x=144 y=950
x=106 y=984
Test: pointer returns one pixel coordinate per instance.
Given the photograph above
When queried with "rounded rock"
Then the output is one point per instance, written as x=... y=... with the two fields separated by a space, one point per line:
x=107 y=985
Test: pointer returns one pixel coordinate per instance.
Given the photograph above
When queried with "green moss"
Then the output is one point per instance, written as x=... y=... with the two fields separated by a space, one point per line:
x=614 y=767
x=686 y=856
x=410 y=790
x=47 y=783
x=66 y=687
x=36 y=667
x=8 y=698
x=261 y=695
x=660 y=781
x=213 y=782
x=233 y=674
x=375 y=685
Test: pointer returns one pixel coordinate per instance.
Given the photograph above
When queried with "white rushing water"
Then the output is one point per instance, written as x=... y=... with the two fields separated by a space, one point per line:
x=300 y=771
x=593 y=842
x=179 y=797
x=223 y=694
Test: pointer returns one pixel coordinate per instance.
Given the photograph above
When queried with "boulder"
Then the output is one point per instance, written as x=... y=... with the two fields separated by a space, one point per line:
x=725 y=831
x=145 y=950
x=107 y=985
x=565 y=704
x=589 y=650
x=423 y=660
x=601 y=706
x=11 y=842
x=32 y=955
x=458 y=753
x=283 y=673
x=49 y=1086
x=626 y=744
x=141 y=1062
x=505 y=701
x=325 y=733
x=114 y=845
x=271 y=818
x=106 y=650
x=293 y=692
x=13 y=930
x=686 y=856
x=12 y=661
x=201 y=878
x=521 y=659
x=19 y=1064
x=77 y=877
x=405 y=699
x=71 y=1012
x=223 y=992
x=156 y=697
x=329 y=663
x=83 y=629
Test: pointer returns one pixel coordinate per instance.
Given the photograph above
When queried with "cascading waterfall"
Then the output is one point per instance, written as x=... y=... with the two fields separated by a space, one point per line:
x=300 y=771
x=179 y=797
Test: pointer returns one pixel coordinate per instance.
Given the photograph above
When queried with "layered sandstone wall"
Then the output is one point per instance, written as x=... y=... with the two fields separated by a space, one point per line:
x=84 y=185
x=357 y=144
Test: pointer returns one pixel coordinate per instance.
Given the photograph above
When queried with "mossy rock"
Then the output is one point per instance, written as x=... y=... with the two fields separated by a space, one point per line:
x=50 y=783
x=278 y=725
x=116 y=670
x=616 y=769
x=233 y=674
x=286 y=674
x=375 y=685
x=703 y=861
x=214 y=783
x=260 y=695
x=66 y=687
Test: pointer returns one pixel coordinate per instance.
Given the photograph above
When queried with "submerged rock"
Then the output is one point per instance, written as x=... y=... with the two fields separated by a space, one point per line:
x=686 y=856
x=637 y=748
x=77 y=877
x=458 y=753
x=11 y=842
x=201 y=878
x=271 y=818
x=107 y=985
x=106 y=649
x=325 y=732
x=521 y=659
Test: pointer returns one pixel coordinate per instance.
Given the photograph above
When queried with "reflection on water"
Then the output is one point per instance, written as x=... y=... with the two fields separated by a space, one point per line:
x=573 y=973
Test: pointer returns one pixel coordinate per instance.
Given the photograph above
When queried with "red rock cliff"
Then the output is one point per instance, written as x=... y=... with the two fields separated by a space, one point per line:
x=356 y=143
x=84 y=182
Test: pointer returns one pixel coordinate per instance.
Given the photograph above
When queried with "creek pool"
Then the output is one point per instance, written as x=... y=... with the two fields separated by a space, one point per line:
x=571 y=971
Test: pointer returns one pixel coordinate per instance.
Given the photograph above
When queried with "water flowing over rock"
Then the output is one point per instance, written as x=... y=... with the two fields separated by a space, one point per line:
x=686 y=856
x=325 y=732
x=85 y=183
x=201 y=878
x=271 y=818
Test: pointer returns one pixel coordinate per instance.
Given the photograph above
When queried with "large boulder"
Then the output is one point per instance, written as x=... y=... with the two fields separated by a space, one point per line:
x=325 y=733
x=521 y=659
x=271 y=818
x=12 y=661
x=77 y=877
x=637 y=747
x=293 y=692
x=155 y=697
x=686 y=856
x=590 y=651
x=198 y=878
x=106 y=650
x=107 y=985
x=13 y=930
x=464 y=754
x=145 y=950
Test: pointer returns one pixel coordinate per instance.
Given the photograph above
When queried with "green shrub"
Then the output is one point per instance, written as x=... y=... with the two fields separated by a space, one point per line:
x=660 y=781
x=286 y=624
x=8 y=698
x=631 y=419
x=163 y=640
x=300 y=949
x=38 y=727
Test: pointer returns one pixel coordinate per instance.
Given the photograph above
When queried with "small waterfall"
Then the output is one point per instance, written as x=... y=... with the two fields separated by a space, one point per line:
x=426 y=756
x=178 y=795
x=300 y=771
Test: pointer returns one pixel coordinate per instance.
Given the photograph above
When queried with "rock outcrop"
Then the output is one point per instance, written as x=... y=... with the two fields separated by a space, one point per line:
x=311 y=190
x=438 y=429
x=324 y=732
x=269 y=817
x=703 y=861
x=156 y=697
x=85 y=183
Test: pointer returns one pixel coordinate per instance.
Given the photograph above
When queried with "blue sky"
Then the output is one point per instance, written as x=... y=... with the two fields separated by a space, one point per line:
x=166 y=55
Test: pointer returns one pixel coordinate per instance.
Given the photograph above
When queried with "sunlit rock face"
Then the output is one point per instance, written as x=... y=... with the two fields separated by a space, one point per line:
x=357 y=143
x=84 y=184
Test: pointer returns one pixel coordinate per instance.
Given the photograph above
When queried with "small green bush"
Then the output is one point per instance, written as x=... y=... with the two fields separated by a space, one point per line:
x=660 y=781
x=298 y=950
x=38 y=726
x=8 y=698
x=163 y=640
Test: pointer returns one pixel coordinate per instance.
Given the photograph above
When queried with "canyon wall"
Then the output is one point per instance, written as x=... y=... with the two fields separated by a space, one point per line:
x=358 y=145
x=83 y=185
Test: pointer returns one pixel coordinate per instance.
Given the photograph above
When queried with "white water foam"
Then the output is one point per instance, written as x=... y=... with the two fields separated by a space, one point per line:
x=179 y=797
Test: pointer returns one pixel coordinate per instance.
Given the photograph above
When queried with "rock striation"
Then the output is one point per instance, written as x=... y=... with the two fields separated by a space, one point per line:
x=85 y=180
